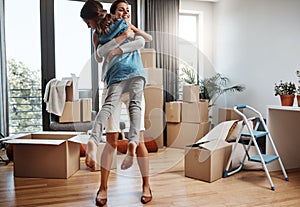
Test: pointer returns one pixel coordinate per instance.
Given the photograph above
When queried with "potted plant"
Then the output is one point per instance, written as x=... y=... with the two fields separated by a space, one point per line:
x=298 y=88
x=211 y=88
x=286 y=91
x=215 y=86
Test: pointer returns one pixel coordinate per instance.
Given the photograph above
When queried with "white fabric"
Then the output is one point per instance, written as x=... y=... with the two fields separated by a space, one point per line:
x=74 y=85
x=218 y=132
x=55 y=96
x=237 y=130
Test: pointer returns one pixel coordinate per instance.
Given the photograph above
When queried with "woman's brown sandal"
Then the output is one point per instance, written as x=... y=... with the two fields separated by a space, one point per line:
x=146 y=199
x=100 y=201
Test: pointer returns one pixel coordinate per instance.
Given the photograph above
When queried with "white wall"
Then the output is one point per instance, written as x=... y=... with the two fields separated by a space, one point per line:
x=257 y=44
x=252 y=42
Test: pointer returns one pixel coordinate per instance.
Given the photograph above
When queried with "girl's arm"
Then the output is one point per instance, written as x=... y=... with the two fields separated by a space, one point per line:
x=104 y=50
x=146 y=36
x=98 y=58
x=137 y=44
x=112 y=48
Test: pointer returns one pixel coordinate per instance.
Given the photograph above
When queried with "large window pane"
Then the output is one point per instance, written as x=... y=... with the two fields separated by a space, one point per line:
x=72 y=43
x=188 y=43
x=188 y=49
x=22 y=31
x=188 y=27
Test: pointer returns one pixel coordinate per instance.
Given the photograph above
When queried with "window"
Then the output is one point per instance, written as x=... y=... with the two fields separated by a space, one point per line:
x=73 y=46
x=72 y=43
x=30 y=45
x=189 y=47
x=22 y=32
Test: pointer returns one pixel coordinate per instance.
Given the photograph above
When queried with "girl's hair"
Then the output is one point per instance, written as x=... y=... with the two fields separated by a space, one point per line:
x=114 y=5
x=93 y=9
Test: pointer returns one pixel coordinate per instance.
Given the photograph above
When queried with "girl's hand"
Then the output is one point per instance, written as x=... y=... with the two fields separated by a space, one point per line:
x=116 y=51
x=129 y=33
x=135 y=30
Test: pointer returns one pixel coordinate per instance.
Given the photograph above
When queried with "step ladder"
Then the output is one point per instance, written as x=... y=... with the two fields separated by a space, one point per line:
x=252 y=134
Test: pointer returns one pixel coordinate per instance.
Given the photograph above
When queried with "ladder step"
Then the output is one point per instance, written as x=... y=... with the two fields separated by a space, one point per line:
x=256 y=134
x=267 y=158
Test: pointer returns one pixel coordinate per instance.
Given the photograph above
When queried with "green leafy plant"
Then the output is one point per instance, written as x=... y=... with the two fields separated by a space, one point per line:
x=212 y=88
x=285 y=88
x=188 y=75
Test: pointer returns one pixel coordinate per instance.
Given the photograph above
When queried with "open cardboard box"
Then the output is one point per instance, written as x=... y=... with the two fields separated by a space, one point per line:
x=207 y=160
x=46 y=154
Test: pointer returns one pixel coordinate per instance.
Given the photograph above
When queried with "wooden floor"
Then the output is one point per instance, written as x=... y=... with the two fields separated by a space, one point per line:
x=169 y=187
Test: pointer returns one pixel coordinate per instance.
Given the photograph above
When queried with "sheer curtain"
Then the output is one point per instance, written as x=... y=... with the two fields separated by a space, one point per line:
x=161 y=20
x=3 y=77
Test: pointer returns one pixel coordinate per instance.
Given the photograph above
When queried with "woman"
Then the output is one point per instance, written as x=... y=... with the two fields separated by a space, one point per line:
x=120 y=9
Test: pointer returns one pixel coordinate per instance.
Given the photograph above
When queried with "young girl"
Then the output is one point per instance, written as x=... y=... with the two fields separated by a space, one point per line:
x=122 y=73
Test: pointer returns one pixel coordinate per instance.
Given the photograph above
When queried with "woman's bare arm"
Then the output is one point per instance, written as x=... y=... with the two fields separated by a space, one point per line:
x=145 y=35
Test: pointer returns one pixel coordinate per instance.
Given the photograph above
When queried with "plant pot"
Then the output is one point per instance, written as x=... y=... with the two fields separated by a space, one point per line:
x=298 y=100
x=287 y=100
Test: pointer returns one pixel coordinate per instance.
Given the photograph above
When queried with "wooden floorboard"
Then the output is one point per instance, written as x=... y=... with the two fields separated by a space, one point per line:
x=169 y=187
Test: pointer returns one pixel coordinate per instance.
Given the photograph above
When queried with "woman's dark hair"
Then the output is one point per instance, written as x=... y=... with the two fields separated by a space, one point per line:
x=114 y=5
x=93 y=9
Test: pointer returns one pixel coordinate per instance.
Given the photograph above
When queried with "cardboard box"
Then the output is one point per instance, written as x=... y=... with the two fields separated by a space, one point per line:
x=71 y=112
x=86 y=109
x=154 y=76
x=153 y=100
x=227 y=114
x=154 y=127
x=208 y=161
x=72 y=93
x=84 y=138
x=173 y=111
x=182 y=134
x=46 y=154
x=191 y=93
x=148 y=56
x=196 y=112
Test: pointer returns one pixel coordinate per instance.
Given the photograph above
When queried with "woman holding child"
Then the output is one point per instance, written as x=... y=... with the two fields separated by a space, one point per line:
x=123 y=73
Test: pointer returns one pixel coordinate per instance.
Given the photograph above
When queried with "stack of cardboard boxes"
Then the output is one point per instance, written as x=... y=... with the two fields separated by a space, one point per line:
x=206 y=160
x=187 y=120
x=75 y=109
x=153 y=93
